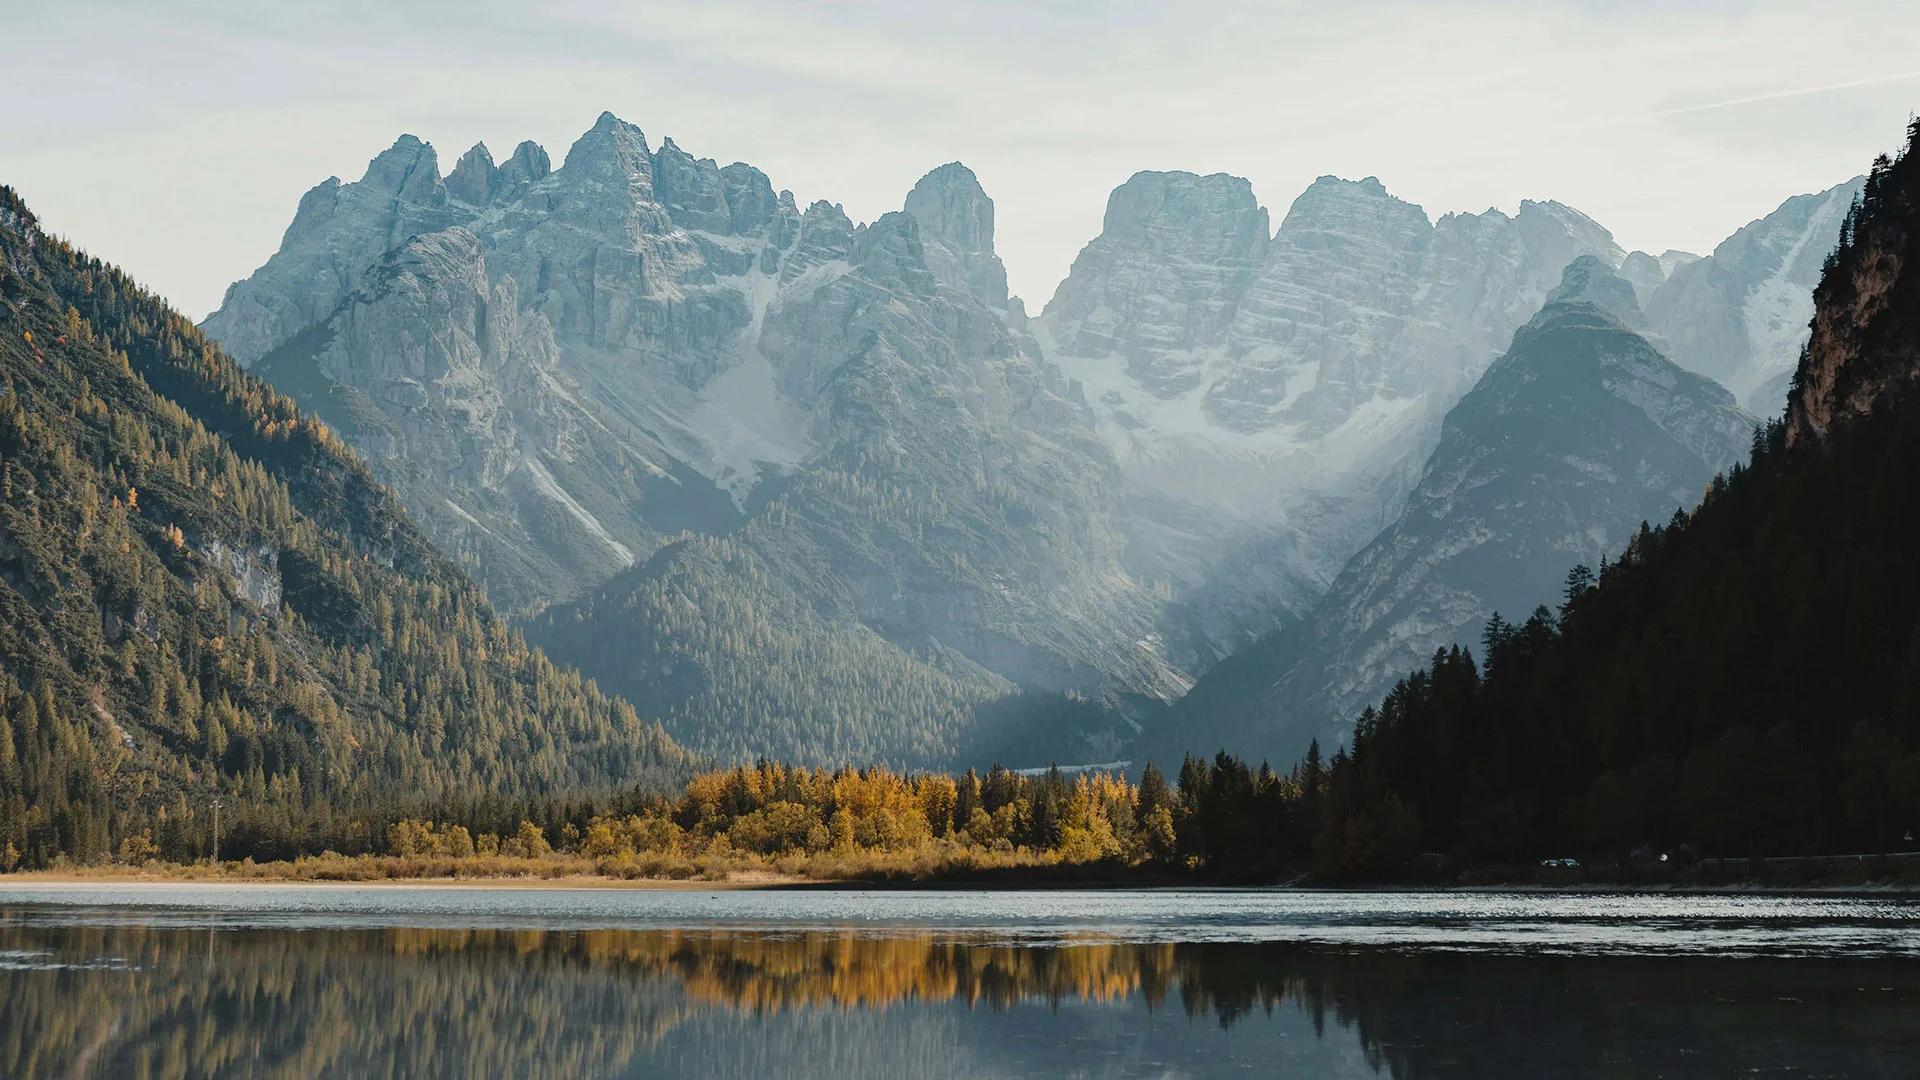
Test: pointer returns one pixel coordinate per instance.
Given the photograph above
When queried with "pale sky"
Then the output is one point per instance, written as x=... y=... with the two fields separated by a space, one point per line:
x=175 y=137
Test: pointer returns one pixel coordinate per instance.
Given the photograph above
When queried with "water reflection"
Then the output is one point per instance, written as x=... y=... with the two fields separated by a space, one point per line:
x=141 y=1000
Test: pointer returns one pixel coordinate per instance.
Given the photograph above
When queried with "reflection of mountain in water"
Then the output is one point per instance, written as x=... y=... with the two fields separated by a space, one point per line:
x=145 y=1001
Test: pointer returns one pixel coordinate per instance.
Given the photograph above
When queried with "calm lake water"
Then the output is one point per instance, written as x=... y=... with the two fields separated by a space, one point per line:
x=339 y=981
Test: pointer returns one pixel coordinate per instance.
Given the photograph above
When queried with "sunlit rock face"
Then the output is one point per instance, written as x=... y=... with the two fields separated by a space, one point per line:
x=562 y=369
x=1270 y=398
x=1862 y=353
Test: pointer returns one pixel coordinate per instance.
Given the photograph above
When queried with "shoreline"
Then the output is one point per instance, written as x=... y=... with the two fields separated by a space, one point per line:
x=755 y=880
x=734 y=883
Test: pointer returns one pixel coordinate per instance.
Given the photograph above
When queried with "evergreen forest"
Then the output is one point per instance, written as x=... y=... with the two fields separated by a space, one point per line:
x=205 y=597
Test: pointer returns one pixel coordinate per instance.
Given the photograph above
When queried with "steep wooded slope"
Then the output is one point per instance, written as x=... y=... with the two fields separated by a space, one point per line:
x=203 y=593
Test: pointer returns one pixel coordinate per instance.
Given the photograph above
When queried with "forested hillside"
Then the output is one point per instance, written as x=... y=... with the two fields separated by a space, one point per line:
x=1745 y=679
x=704 y=635
x=204 y=595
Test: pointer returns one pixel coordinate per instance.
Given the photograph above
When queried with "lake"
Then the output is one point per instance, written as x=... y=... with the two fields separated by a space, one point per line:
x=349 y=981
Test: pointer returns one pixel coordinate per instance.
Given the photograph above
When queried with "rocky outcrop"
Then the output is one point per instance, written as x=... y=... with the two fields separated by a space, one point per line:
x=338 y=231
x=950 y=207
x=1270 y=398
x=1863 y=343
x=1579 y=433
x=1740 y=315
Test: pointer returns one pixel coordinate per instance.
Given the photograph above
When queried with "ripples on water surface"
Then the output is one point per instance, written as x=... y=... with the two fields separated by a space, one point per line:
x=211 y=980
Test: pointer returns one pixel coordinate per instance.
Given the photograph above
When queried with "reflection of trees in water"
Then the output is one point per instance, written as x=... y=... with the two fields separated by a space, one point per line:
x=1423 y=1015
x=143 y=1001
x=179 y=1003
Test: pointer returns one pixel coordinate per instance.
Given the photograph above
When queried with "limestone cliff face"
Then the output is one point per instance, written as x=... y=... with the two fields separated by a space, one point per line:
x=455 y=394
x=1866 y=325
x=561 y=370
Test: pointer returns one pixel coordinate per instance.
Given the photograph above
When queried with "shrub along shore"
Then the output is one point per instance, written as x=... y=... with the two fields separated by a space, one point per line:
x=771 y=824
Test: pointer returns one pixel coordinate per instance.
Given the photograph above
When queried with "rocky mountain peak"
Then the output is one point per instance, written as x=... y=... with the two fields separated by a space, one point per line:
x=1555 y=234
x=1334 y=215
x=1673 y=259
x=1588 y=280
x=611 y=148
x=1644 y=273
x=691 y=189
x=337 y=232
x=528 y=166
x=1168 y=213
x=472 y=178
x=954 y=212
x=950 y=204
x=825 y=235
x=1329 y=192
x=752 y=205
x=1173 y=257
x=1740 y=315
x=409 y=169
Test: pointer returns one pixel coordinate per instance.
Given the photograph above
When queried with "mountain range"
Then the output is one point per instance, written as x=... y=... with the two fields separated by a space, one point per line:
x=716 y=430
x=1577 y=435
x=1742 y=679
x=817 y=489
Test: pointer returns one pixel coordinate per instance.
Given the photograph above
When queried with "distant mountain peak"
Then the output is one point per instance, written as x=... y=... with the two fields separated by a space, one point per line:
x=1214 y=215
x=1740 y=315
x=472 y=178
x=528 y=165
x=950 y=203
x=1367 y=186
x=409 y=168
x=611 y=143
x=1587 y=280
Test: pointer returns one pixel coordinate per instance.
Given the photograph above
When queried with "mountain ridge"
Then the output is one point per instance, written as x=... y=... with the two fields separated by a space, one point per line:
x=572 y=369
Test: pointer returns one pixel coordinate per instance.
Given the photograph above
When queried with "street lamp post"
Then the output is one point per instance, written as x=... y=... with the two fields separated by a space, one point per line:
x=216 y=832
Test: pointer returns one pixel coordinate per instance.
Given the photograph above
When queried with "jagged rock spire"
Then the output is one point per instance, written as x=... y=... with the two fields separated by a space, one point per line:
x=950 y=204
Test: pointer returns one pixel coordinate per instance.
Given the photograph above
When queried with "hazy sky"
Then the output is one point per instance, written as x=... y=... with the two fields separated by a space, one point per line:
x=175 y=136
